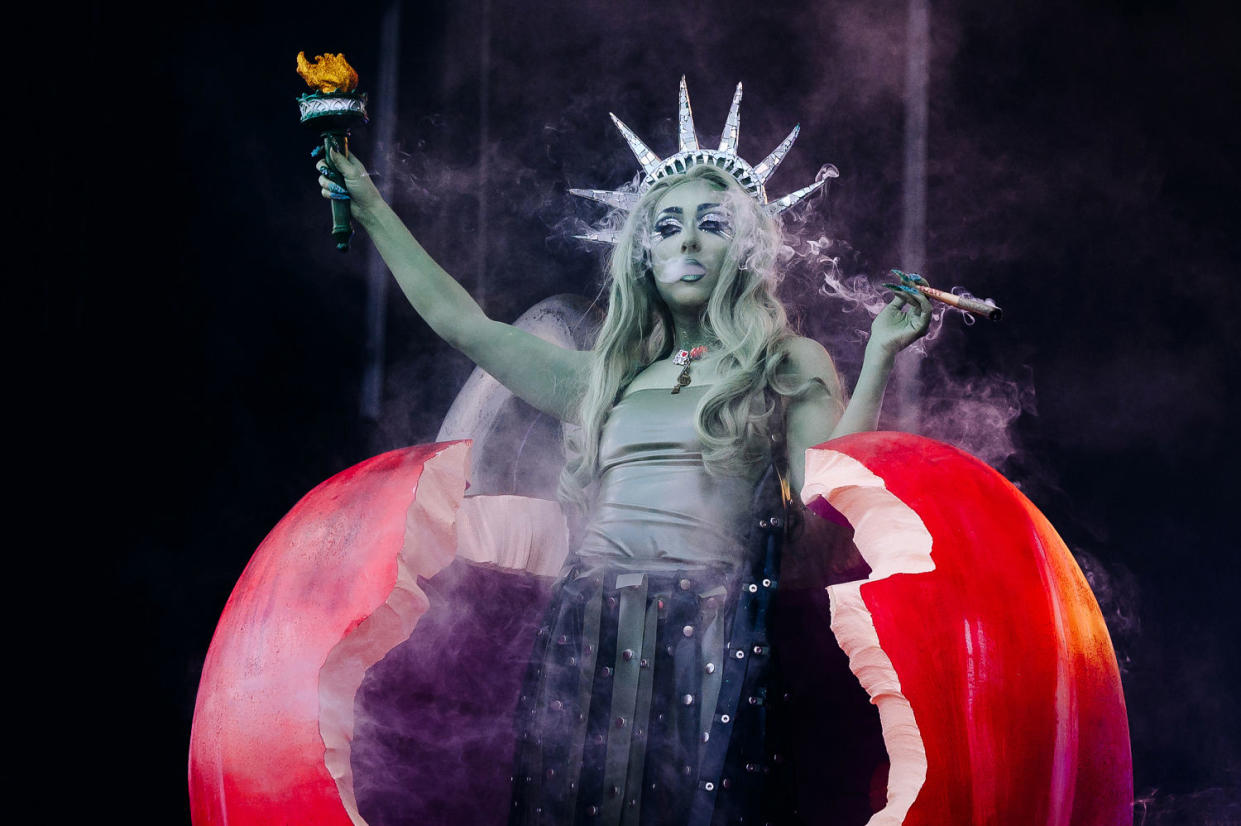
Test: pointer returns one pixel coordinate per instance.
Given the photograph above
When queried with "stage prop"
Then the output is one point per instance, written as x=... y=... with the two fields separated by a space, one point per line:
x=332 y=110
x=974 y=634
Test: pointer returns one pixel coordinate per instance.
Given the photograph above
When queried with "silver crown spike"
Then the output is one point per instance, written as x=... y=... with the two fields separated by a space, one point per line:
x=648 y=159
x=767 y=165
x=793 y=197
x=617 y=200
x=690 y=153
x=732 y=126
x=687 y=138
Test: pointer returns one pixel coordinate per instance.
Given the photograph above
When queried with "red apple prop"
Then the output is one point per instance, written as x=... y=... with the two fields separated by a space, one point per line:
x=978 y=639
x=975 y=635
x=257 y=753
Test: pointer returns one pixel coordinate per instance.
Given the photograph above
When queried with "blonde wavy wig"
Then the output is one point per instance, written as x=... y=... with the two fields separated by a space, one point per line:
x=734 y=420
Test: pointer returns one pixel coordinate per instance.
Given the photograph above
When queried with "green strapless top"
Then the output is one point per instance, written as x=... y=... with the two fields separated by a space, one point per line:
x=658 y=508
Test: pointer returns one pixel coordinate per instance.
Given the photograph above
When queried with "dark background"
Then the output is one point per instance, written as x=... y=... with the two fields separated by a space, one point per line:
x=204 y=341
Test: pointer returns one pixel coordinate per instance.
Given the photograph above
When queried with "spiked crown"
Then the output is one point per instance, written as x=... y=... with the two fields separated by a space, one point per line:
x=689 y=154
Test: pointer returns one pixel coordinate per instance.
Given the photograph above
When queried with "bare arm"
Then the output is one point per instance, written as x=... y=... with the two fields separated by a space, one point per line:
x=894 y=329
x=550 y=377
x=810 y=417
x=821 y=412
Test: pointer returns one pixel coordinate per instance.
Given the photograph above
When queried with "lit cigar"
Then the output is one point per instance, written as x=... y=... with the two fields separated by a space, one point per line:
x=969 y=305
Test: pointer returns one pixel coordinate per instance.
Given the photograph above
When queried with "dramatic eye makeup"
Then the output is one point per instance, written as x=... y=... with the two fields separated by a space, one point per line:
x=665 y=226
x=716 y=220
x=712 y=218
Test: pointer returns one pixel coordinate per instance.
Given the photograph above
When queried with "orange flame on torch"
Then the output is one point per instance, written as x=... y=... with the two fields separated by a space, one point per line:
x=329 y=72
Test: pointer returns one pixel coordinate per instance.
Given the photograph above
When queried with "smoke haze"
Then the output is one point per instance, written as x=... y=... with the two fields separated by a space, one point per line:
x=1080 y=172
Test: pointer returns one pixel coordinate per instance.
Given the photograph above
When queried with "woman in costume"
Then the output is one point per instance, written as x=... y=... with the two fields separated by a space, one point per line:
x=650 y=685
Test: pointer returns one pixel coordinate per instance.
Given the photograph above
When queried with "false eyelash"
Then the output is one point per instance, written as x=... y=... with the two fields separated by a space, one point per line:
x=666 y=224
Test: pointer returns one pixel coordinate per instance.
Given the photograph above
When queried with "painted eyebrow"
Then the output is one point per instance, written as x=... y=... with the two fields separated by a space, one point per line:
x=677 y=210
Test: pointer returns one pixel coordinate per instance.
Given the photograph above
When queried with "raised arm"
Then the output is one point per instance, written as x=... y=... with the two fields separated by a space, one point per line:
x=550 y=377
x=811 y=416
x=821 y=411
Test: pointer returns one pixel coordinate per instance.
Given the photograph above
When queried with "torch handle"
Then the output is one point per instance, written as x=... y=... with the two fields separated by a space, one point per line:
x=342 y=216
x=342 y=224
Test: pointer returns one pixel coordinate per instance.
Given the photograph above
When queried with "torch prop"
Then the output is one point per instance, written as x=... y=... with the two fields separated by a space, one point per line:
x=333 y=110
x=973 y=306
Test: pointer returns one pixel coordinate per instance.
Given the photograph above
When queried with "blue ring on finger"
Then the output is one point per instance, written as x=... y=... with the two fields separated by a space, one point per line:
x=338 y=197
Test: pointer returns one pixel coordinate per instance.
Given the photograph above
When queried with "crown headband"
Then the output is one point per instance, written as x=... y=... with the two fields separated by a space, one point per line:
x=689 y=154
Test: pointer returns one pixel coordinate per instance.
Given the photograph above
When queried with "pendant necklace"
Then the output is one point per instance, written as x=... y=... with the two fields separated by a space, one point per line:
x=684 y=358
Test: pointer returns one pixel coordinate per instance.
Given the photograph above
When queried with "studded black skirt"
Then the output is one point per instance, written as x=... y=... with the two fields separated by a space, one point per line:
x=647 y=697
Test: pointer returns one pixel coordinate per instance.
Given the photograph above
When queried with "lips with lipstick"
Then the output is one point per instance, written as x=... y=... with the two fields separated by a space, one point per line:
x=688 y=270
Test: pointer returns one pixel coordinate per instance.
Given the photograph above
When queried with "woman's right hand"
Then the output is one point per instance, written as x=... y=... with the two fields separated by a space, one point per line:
x=351 y=182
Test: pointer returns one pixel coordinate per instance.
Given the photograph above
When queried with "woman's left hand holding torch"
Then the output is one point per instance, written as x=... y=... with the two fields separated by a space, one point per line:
x=342 y=177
